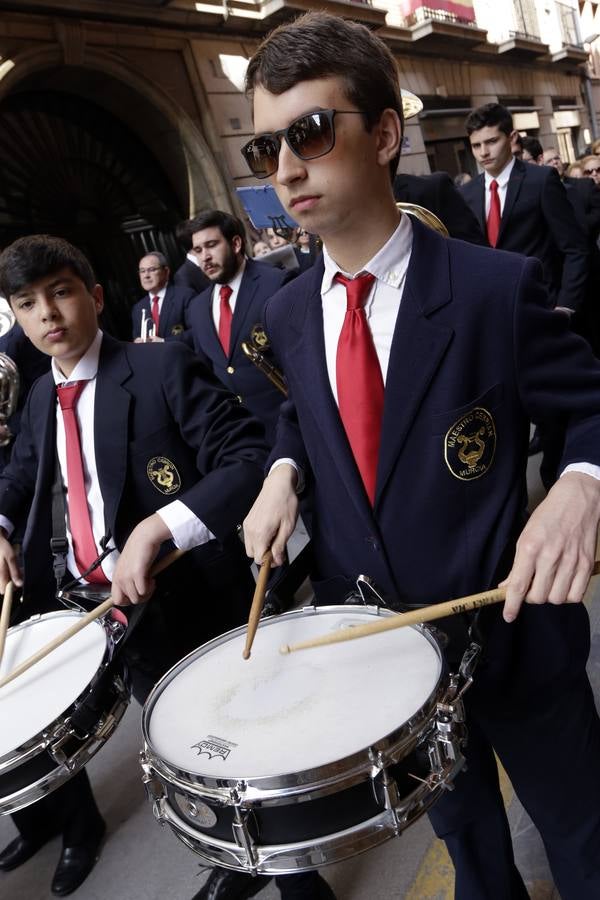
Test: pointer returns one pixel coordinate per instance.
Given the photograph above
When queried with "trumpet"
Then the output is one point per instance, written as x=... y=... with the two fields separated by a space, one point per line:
x=425 y=216
x=9 y=393
x=148 y=329
x=273 y=374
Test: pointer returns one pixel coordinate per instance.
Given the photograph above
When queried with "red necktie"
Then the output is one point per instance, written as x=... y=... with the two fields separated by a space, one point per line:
x=84 y=545
x=359 y=381
x=225 y=317
x=155 y=314
x=493 y=219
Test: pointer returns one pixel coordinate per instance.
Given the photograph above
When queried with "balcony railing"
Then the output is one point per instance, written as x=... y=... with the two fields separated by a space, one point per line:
x=427 y=13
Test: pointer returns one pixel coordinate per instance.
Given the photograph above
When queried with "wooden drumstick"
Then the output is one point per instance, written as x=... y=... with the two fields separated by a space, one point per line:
x=258 y=601
x=5 y=616
x=414 y=617
x=81 y=623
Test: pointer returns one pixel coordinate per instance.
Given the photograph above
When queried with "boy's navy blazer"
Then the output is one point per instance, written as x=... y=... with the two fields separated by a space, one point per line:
x=476 y=345
x=259 y=283
x=538 y=220
x=174 y=319
x=152 y=403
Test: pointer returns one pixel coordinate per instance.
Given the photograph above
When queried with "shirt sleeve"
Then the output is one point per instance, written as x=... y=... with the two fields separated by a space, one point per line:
x=586 y=468
x=187 y=529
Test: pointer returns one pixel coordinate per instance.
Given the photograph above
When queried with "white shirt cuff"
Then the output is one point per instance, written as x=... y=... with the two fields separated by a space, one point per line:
x=187 y=529
x=299 y=472
x=586 y=468
x=7 y=525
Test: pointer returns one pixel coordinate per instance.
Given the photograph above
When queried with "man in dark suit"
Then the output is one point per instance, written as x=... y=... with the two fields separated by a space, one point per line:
x=585 y=188
x=189 y=274
x=438 y=194
x=165 y=307
x=414 y=364
x=170 y=456
x=524 y=207
x=231 y=312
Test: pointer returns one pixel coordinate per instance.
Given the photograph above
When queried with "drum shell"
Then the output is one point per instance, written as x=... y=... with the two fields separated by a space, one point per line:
x=298 y=809
x=52 y=756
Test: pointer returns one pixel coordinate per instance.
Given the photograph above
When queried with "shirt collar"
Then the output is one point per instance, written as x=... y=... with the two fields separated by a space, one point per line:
x=160 y=294
x=503 y=177
x=389 y=263
x=86 y=368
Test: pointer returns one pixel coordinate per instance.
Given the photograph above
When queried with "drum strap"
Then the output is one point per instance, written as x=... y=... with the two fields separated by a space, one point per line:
x=59 y=545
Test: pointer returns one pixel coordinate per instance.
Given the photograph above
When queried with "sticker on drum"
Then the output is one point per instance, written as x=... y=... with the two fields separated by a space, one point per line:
x=30 y=703
x=218 y=715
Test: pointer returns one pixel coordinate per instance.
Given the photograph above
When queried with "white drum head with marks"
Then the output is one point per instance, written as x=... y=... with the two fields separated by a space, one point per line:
x=220 y=716
x=35 y=699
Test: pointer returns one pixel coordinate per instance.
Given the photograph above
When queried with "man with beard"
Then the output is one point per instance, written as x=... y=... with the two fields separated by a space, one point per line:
x=231 y=312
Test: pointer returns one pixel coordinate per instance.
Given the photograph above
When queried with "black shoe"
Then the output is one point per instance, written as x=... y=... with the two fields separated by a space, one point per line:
x=225 y=885
x=18 y=852
x=75 y=864
x=304 y=886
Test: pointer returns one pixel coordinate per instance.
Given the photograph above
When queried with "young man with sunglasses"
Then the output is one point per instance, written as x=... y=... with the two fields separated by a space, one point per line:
x=395 y=345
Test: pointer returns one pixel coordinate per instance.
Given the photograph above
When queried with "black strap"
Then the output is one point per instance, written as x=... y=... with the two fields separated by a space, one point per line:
x=59 y=545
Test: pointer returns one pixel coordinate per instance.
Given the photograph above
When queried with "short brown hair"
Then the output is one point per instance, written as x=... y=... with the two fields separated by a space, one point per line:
x=318 y=45
x=33 y=257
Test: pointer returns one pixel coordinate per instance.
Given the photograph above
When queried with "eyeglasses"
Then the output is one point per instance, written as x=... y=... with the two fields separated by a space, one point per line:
x=151 y=270
x=308 y=137
x=591 y=171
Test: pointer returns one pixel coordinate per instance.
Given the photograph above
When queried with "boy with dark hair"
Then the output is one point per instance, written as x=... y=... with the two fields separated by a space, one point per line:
x=150 y=449
x=490 y=115
x=397 y=341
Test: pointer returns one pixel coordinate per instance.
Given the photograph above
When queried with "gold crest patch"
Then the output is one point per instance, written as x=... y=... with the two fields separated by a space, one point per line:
x=258 y=336
x=176 y=329
x=470 y=445
x=163 y=475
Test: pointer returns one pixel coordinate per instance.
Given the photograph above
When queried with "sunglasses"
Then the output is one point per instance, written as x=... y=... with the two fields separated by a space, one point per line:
x=308 y=137
x=591 y=171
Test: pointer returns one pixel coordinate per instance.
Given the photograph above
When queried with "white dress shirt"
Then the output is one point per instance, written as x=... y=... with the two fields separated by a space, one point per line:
x=161 y=296
x=187 y=530
x=502 y=180
x=235 y=285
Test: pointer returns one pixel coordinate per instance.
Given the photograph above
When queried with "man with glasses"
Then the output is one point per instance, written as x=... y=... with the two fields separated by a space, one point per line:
x=165 y=307
x=395 y=344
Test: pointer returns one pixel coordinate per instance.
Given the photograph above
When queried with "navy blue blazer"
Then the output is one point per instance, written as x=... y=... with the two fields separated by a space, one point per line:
x=174 y=320
x=476 y=354
x=259 y=283
x=153 y=404
x=538 y=220
x=437 y=193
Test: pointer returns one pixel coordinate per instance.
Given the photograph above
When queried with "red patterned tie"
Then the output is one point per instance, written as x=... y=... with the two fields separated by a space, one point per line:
x=225 y=317
x=493 y=219
x=84 y=545
x=359 y=381
x=155 y=314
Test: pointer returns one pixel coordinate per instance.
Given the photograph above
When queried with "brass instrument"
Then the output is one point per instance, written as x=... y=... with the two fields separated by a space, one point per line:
x=425 y=216
x=274 y=375
x=411 y=104
x=9 y=393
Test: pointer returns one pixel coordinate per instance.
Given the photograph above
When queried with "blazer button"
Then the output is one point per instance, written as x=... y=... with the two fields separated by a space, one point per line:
x=240 y=399
x=230 y=370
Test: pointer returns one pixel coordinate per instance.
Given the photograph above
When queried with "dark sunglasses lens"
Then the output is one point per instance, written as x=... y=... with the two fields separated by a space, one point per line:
x=261 y=155
x=311 y=136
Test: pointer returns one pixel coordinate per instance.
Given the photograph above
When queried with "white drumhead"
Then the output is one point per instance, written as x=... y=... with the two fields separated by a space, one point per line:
x=226 y=717
x=35 y=699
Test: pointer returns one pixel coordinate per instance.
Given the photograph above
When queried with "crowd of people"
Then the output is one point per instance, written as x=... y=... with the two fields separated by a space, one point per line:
x=388 y=343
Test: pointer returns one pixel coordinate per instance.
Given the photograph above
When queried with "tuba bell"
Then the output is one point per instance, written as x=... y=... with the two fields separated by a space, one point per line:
x=9 y=393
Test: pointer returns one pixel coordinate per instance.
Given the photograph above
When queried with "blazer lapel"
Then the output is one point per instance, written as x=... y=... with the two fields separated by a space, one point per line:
x=480 y=205
x=166 y=314
x=210 y=343
x=244 y=304
x=111 y=430
x=512 y=192
x=418 y=345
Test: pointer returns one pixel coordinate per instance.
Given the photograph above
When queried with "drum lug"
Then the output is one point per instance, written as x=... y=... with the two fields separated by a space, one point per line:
x=59 y=740
x=240 y=829
x=154 y=789
x=384 y=784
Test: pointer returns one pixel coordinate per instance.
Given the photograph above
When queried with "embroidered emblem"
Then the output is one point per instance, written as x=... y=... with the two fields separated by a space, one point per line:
x=176 y=329
x=470 y=445
x=214 y=747
x=163 y=475
x=258 y=336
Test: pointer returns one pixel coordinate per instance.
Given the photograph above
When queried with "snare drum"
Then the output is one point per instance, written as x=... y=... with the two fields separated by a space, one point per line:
x=57 y=715
x=287 y=763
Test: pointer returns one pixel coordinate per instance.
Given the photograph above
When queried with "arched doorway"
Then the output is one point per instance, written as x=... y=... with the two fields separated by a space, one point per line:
x=70 y=167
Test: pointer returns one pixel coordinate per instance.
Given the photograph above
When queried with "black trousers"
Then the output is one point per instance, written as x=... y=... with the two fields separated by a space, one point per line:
x=71 y=811
x=532 y=703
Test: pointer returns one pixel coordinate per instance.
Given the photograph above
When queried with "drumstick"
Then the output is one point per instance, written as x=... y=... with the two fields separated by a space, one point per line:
x=81 y=623
x=414 y=617
x=258 y=602
x=5 y=616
